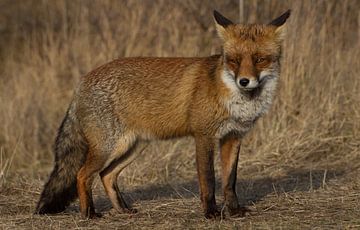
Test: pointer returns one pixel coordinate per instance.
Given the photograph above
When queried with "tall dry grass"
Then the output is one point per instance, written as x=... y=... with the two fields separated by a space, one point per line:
x=47 y=45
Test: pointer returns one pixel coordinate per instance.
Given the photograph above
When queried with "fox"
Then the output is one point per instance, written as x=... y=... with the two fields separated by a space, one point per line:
x=121 y=106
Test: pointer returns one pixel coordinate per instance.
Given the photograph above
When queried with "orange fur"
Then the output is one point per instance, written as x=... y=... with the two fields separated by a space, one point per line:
x=120 y=105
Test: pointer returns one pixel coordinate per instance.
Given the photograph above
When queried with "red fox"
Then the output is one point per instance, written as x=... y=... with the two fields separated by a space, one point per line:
x=127 y=102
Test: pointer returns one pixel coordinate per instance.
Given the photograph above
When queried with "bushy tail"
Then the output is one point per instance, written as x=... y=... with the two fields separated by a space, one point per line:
x=70 y=154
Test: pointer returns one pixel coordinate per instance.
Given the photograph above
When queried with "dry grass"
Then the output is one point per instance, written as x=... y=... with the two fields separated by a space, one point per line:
x=301 y=161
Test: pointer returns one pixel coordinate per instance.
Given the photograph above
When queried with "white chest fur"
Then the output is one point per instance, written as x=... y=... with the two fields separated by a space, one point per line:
x=243 y=108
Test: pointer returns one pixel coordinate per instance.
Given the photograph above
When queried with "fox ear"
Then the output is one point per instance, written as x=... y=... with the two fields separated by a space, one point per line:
x=279 y=22
x=221 y=23
x=221 y=20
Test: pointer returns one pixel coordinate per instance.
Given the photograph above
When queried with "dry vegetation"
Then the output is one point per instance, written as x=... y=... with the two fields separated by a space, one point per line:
x=298 y=167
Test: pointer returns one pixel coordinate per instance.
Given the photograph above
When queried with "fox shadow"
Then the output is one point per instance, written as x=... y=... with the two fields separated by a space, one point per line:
x=249 y=191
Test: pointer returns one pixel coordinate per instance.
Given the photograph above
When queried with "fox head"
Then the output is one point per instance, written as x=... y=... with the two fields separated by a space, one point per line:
x=251 y=53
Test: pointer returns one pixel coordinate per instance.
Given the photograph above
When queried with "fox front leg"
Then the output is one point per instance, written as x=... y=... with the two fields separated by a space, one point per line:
x=206 y=175
x=230 y=148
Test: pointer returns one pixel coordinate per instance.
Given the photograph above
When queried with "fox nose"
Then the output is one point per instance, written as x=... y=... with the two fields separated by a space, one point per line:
x=244 y=82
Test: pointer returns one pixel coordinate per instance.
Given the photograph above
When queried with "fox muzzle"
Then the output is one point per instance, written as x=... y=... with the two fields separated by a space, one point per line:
x=247 y=83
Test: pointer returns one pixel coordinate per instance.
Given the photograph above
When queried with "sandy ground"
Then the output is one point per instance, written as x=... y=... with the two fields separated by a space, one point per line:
x=316 y=200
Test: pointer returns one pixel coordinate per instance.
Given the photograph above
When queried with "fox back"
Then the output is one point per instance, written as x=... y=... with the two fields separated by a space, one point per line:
x=151 y=96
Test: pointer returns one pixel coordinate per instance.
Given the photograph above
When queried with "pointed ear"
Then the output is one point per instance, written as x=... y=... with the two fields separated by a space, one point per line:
x=279 y=23
x=221 y=20
x=221 y=23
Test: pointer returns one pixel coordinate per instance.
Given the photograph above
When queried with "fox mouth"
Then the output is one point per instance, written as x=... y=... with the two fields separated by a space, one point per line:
x=253 y=89
x=250 y=89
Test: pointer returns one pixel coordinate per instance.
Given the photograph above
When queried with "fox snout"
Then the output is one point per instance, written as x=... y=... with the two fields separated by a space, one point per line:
x=242 y=81
x=247 y=83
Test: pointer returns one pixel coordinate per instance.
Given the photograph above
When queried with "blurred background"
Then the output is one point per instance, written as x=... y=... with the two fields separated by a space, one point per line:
x=45 y=46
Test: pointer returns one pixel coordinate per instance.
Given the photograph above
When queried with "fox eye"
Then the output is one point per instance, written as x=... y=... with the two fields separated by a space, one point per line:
x=260 y=60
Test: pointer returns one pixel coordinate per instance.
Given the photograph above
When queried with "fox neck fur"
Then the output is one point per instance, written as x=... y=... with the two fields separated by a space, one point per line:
x=245 y=107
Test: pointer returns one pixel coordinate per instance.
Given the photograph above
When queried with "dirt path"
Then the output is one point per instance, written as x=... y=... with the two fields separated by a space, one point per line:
x=320 y=200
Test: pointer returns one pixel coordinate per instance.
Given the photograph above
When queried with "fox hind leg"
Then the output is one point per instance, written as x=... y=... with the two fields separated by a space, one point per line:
x=85 y=177
x=126 y=155
x=100 y=155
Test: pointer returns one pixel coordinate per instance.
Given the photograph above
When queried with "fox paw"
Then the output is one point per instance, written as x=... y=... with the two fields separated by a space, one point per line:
x=212 y=214
x=92 y=215
x=238 y=212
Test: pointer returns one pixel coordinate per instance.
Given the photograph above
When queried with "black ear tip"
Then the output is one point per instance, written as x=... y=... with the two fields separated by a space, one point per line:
x=281 y=19
x=287 y=13
x=220 y=19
